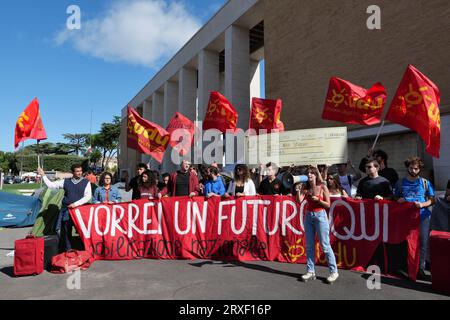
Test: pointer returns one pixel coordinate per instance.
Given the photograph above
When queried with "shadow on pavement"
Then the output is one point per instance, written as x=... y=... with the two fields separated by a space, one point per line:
x=404 y=283
x=232 y=263
x=9 y=271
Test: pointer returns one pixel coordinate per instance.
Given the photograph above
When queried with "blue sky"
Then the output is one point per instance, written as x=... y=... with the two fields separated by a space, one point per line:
x=98 y=67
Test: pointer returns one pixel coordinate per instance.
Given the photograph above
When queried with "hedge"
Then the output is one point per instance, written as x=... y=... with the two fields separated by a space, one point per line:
x=55 y=162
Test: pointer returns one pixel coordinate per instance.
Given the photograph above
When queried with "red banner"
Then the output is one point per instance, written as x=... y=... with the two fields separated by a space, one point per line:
x=145 y=136
x=265 y=114
x=181 y=131
x=29 y=125
x=352 y=104
x=416 y=106
x=220 y=114
x=250 y=228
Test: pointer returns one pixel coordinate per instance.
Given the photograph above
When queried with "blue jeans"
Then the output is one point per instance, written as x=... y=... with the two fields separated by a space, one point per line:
x=424 y=237
x=318 y=222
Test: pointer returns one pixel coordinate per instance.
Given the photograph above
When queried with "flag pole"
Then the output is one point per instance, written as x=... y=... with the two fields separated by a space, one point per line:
x=21 y=160
x=39 y=160
x=378 y=135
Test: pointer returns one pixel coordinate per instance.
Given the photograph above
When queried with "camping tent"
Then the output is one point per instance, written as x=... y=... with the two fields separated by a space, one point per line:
x=18 y=211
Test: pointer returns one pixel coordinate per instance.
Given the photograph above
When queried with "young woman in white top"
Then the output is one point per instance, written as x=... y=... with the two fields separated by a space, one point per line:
x=242 y=185
x=335 y=187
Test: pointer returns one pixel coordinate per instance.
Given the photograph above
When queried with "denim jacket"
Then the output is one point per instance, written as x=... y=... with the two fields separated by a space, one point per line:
x=100 y=195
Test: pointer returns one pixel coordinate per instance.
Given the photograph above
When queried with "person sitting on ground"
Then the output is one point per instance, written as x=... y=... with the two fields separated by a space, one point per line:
x=148 y=188
x=270 y=185
x=335 y=188
x=242 y=185
x=133 y=184
x=214 y=186
x=106 y=192
x=183 y=182
x=373 y=186
x=414 y=188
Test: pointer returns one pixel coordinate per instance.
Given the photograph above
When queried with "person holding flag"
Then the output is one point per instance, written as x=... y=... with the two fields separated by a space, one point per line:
x=77 y=192
x=414 y=188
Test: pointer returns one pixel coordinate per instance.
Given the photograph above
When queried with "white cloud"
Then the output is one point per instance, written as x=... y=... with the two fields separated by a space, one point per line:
x=139 y=32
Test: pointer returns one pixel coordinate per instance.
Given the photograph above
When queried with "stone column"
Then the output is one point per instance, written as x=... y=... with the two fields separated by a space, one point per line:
x=187 y=92
x=208 y=80
x=158 y=118
x=187 y=96
x=237 y=83
x=255 y=80
x=237 y=72
x=170 y=107
x=147 y=115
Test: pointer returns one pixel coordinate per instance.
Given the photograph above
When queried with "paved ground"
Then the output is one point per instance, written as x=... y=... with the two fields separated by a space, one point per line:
x=197 y=280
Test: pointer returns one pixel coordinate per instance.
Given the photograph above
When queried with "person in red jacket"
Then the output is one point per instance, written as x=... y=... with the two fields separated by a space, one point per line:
x=183 y=182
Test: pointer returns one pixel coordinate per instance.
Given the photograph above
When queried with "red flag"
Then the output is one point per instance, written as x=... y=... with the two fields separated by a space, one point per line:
x=220 y=114
x=266 y=114
x=29 y=125
x=416 y=106
x=146 y=137
x=352 y=104
x=182 y=139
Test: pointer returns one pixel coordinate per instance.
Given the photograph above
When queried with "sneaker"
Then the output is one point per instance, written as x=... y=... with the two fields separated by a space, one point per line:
x=332 y=277
x=309 y=276
x=421 y=275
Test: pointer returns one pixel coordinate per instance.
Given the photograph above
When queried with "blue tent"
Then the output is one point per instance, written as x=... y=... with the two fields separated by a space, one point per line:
x=18 y=211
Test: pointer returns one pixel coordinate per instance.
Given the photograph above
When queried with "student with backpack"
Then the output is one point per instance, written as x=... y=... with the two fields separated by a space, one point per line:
x=414 y=188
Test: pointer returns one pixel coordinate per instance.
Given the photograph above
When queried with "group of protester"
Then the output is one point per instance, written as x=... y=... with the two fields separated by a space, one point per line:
x=318 y=186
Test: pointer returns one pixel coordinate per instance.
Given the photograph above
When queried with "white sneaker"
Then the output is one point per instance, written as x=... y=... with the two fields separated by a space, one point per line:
x=332 y=277
x=309 y=276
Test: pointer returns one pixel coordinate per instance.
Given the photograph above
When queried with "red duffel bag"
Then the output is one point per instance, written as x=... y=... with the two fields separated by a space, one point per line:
x=70 y=261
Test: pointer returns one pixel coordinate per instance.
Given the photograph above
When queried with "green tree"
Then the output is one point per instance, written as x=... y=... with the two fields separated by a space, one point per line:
x=49 y=148
x=107 y=140
x=78 y=141
x=8 y=161
x=96 y=156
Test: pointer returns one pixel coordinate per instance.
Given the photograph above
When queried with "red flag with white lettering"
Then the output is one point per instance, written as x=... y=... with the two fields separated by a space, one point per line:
x=416 y=106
